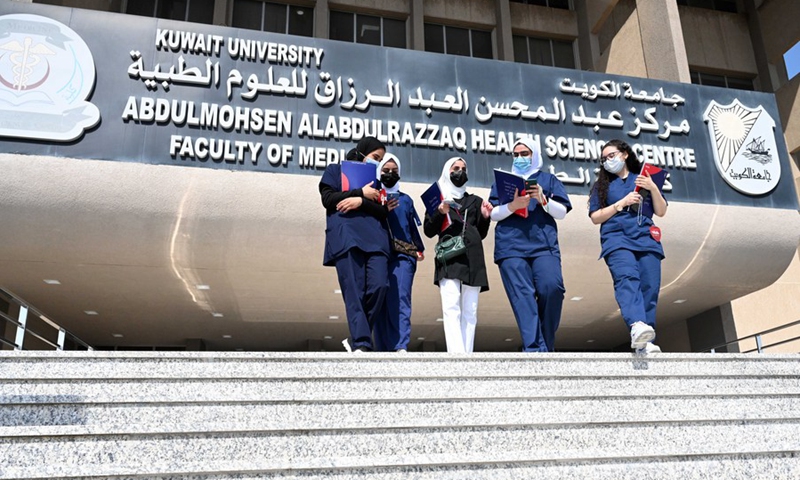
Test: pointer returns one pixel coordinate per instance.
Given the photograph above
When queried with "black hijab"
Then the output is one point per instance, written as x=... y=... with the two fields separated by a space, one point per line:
x=364 y=147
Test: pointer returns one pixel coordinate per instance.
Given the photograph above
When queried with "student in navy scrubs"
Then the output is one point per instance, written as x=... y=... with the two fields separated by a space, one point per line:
x=462 y=278
x=357 y=244
x=403 y=222
x=631 y=243
x=526 y=249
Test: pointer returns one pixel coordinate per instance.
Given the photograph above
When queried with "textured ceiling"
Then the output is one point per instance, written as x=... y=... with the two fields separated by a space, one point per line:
x=132 y=242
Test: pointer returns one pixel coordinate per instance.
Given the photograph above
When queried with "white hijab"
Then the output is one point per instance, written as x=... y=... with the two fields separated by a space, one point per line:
x=386 y=159
x=536 y=157
x=450 y=191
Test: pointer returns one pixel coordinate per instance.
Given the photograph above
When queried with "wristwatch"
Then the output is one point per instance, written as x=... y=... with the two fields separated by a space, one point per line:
x=618 y=207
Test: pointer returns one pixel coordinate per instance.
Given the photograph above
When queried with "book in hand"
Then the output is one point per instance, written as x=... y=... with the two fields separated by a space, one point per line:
x=432 y=198
x=659 y=176
x=507 y=183
x=357 y=174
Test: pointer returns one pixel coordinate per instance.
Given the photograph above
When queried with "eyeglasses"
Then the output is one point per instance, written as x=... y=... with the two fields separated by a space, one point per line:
x=610 y=155
x=521 y=154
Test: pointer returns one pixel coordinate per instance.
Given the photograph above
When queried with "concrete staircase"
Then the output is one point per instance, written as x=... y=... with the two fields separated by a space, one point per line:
x=387 y=416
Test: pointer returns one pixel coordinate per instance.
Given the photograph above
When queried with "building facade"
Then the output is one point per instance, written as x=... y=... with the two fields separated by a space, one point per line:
x=226 y=257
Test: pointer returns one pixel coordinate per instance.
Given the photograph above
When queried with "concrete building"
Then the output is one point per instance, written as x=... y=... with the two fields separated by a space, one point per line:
x=182 y=254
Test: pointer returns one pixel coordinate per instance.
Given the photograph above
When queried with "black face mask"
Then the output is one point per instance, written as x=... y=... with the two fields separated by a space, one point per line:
x=389 y=179
x=459 y=178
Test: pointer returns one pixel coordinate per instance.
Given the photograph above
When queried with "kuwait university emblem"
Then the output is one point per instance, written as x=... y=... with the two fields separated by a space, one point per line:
x=744 y=146
x=46 y=75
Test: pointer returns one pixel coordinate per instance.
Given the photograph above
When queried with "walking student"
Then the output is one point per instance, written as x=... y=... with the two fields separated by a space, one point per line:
x=357 y=244
x=630 y=241
x=463 y=277
x=526 y=248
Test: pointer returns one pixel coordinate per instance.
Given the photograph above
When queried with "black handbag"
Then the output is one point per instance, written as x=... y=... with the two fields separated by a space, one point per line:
x=401 y=246
x=450 y=246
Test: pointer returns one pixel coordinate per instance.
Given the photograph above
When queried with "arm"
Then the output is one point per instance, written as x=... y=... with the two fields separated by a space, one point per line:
x=555 y=209
x=374 y=208
x=659 y=202
x=602 y=215
x=331 y=196
x=433 y=223
x=482 y=222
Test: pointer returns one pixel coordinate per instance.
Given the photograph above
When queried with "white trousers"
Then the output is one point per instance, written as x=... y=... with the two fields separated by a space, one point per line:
x=460 y=314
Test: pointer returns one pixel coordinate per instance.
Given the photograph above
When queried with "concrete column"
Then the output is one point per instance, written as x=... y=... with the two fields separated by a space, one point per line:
x=417 y=22
x=588 y=46
x=767 y=82
x=713 y=327
x=662 y=40
x=223 y=12
x=321 y=16
x=503 y=34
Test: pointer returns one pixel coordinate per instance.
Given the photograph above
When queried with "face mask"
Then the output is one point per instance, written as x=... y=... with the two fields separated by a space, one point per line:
x=614 y=165
x=372 y=161
x=523 y=163
x=390 y=179
x=459 y=178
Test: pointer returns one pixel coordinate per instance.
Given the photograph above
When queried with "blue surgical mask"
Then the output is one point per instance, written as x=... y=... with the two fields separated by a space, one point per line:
x=614 y=165
x=523 y=163
x=372 y=161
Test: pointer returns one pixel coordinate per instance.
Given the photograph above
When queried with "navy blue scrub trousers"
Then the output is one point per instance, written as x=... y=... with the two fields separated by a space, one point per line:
x=535 y=289
x=637 y=280
x=396 y=332
x=364 y=280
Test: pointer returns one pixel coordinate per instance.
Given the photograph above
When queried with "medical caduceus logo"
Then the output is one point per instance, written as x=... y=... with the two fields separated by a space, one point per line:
x=744 y=146
x=25 y=58
x=46 y=76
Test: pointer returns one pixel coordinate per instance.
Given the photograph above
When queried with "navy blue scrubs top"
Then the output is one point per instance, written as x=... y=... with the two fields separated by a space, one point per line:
x=533 y=236
x=623 y=229
x=363 y=228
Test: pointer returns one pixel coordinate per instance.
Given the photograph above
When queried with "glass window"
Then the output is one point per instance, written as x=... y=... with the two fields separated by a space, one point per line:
x=273 y=17
x=719 y=5
x=458 y=41
x=342 y=26
x=563 y=4
x=301 y=21
x=563 y=54
x=394 y=33
x=481 y=44
x=543 y=51
x=200 y=11
x=700 y=78
x=248 y=14
x=434 y=38
x=367 y=29
x=145 y=8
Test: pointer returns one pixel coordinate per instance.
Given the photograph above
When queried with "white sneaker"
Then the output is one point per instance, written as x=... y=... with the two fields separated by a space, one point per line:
x=649 y=347
x=641 y=333
x=401 y=350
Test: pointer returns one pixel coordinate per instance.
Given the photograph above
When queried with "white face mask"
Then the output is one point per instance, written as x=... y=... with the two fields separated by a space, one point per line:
x=614 y=165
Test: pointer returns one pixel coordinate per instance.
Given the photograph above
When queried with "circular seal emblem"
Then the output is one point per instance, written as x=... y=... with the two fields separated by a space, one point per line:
x=46 y=77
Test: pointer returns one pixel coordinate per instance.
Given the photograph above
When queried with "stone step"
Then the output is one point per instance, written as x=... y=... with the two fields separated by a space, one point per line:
x=767 y=465
x=197 y=417
x=731 y=466
x=417 y=448
x=375 y=389
x=201 y=365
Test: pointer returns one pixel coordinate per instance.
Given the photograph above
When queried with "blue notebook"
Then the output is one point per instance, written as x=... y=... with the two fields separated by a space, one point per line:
x=431 y=198
x=357 y=175
x=507 y=183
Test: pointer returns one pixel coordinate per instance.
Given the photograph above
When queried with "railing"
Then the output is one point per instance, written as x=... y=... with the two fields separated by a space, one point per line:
x=24 y=328
x=760 y=347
